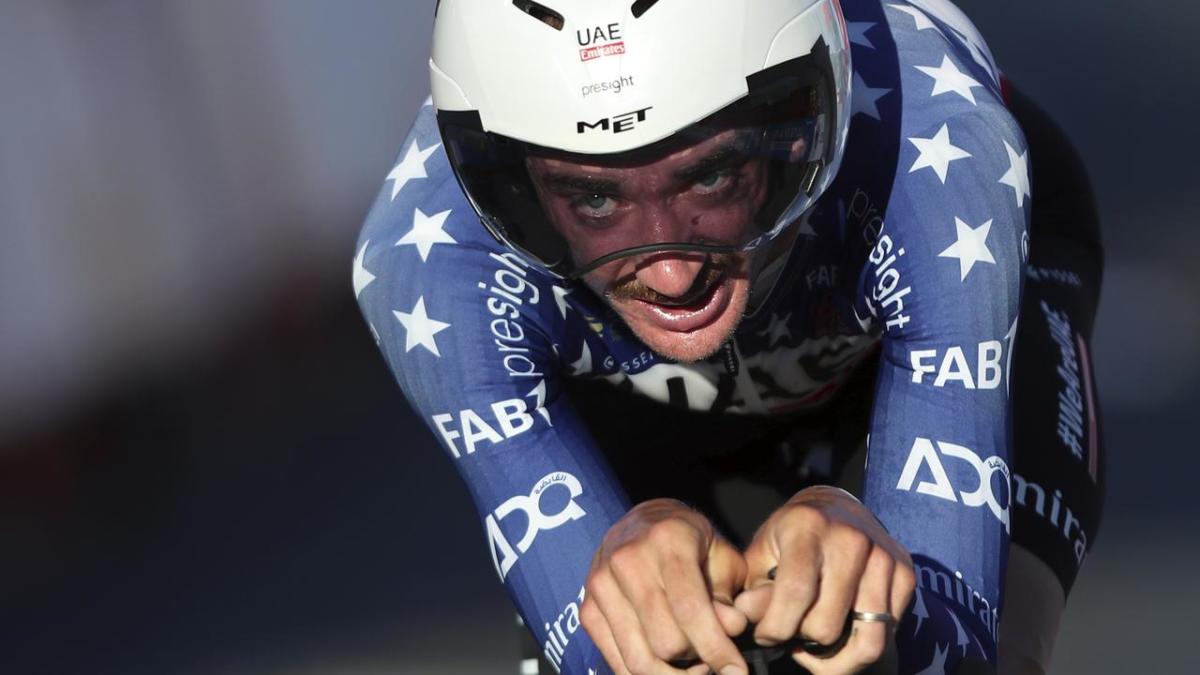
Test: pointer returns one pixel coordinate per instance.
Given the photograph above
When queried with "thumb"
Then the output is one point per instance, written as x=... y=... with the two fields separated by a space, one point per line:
x=725 y=569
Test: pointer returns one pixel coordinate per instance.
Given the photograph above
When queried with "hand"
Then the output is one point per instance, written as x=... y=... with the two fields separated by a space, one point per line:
x=831 y=557
x=661 y=587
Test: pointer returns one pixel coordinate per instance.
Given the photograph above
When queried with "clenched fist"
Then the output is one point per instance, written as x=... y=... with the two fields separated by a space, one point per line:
x=830 y=556
x=662 y=587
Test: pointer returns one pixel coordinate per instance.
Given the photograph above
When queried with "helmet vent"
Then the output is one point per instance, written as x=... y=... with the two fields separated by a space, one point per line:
x=641 y=6
x=541 y=13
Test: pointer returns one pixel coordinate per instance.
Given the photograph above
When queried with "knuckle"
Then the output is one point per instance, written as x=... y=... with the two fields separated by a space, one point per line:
x=624 y=559
x=714 y=648
x=667 y=647
x=639 y=663
x=806 y=517
x=773 y=631
x=593 y=586
x=589 y=615
x=670 y=531
x=823 y=629
x=851 y=540
x=881 y=562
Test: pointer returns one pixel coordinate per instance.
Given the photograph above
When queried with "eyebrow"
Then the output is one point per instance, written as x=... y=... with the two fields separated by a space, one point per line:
x=558 y=182
x=729 y=155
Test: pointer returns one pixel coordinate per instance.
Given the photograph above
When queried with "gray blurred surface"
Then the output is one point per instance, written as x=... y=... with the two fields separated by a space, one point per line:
x=169 y=169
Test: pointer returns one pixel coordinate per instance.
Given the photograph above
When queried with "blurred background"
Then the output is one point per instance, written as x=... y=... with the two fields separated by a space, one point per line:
x=205 y=466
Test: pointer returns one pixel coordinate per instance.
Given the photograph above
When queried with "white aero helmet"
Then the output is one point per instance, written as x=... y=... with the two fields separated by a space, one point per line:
x=623 y=82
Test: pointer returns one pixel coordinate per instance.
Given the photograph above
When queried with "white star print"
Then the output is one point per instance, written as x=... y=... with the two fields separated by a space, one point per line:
x=970 y=248
x=411 y=167
x=560 y=299
x=866 y=99
x=858 y=33
x=420 y=329
x=962 y=29
x=426 y=231
x=948 y=78
x=919 y=609
x=922 y=21
x=584 y=364
x=538 y=394
x=362 y=277
x=777 y=329
x=937 y=153
x=938 y=665
x=1017 y=176
x=961 y=633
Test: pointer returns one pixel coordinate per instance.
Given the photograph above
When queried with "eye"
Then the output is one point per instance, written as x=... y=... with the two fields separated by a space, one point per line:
x=595 y=206
x=713 y=182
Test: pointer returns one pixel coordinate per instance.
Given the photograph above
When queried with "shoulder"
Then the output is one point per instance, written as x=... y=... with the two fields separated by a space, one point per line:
x=946 y=162
x=440 y=294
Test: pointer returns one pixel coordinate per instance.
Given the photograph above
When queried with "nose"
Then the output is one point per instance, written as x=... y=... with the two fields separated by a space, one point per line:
x=670 y=273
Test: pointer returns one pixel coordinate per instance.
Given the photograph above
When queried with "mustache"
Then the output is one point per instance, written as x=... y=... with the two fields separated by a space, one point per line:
x=716 y=266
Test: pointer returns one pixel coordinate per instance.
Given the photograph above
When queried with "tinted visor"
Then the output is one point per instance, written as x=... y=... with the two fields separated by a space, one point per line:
x=726 y=184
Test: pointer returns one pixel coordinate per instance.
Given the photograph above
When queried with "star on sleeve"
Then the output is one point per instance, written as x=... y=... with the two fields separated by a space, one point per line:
x=865 y=99
x=362 y=277
x=560 y=299
x=584 y=364
x=948 y=78
x=970 y=247
x=411 y=167
x=426 y=231
x=1017 y=176
x=922 y=21
x=858 y=33
x=937 y=153
x=420 y=329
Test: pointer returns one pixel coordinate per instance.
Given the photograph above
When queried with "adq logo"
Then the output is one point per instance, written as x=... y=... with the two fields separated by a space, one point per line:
x=503 y=554
x=924 y=455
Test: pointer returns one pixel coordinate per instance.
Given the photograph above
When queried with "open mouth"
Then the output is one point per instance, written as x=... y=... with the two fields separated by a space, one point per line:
x=696 y=296
x=703 y=304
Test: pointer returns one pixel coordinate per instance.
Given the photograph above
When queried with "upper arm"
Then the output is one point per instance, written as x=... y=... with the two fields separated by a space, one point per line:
x=944 y=283
x=468 y=331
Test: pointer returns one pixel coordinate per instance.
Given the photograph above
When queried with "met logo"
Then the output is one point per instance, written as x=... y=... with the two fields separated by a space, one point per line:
x=617 y=124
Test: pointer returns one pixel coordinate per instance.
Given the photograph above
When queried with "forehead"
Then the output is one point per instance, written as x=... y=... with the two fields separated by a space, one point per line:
x=625 y=164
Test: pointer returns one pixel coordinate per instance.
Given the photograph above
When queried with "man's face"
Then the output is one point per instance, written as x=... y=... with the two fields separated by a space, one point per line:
x=683 y=305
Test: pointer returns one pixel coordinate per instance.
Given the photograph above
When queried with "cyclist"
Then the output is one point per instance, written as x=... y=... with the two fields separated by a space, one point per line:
x=712 y=243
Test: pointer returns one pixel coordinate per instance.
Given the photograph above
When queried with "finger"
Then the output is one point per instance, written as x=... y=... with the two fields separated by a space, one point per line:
x=760 y=559
x=868 y=639
x=732 y=619
x=904 y=585
x=866 y=645
x=725 y=569
x=845 y=554
x=756 y=596
x=634 y=650
x=601 y=634
x=754 y=603
x=649 y=601
x=693 y=608
x=794 y=589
